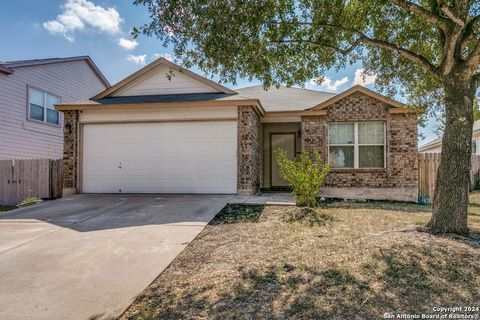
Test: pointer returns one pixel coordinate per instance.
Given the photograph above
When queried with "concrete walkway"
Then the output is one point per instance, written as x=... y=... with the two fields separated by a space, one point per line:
x=88 y=256
x=265 y=198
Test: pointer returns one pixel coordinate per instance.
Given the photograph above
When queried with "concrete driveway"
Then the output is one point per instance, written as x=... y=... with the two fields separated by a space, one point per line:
x=88 y=256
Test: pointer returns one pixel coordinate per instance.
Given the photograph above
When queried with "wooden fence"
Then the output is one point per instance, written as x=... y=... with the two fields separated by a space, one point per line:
x=428 y=164
x=20 y=179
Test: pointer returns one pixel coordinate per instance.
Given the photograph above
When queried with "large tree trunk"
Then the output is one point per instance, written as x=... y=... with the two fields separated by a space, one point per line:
x=450 y=201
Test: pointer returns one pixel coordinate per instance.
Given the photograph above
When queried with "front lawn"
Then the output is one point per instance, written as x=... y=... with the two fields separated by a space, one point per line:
x=345 y=261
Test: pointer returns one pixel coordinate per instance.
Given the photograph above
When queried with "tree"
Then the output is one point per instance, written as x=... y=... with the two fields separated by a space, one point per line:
x=425 y=50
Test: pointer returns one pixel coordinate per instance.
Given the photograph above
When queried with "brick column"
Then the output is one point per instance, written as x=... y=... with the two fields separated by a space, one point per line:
x=402 y=152
x=70 y=152
x=250 y=151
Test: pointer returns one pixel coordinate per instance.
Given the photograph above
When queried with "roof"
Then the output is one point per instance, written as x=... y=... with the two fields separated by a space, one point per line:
x=8 y=67
x=5 y=70
x=168 y=98
x=431 y=144
x=188 y=99
x=361 y=89
x=153 y=65
x=279 y=101
x=285 y=98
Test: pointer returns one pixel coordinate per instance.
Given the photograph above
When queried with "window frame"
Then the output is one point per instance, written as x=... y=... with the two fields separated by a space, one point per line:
x=342 y=144
x=45 y=108
x=356 y=145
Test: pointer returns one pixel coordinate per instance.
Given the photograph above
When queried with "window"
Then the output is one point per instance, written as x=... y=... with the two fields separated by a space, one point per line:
x=41 y=106
x=341 y=138
x=474 y=146
x=356 y=144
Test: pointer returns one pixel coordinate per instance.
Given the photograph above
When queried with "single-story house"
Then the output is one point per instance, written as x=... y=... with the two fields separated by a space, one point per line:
x=165 y=129
x=435 y=146
x=30 y=127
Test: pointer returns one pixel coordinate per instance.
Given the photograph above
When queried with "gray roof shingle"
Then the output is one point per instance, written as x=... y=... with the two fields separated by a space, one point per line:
x=285 y=98
x=166 y=98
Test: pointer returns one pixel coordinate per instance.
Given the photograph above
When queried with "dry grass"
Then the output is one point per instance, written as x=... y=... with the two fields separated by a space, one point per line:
x=345 y=261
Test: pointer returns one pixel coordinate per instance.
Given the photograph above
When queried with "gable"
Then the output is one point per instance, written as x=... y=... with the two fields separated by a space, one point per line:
x=357 y=106
x=391 y=103
x=162 y=77
x=163 y=80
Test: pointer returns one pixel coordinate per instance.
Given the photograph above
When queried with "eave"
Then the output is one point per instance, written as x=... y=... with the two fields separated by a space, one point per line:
x=214 y=103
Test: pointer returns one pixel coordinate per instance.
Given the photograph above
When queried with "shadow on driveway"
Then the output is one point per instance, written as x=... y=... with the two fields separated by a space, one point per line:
x=93 y=212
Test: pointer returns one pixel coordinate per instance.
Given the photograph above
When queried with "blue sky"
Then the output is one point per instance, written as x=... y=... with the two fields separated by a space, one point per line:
x=33 y=29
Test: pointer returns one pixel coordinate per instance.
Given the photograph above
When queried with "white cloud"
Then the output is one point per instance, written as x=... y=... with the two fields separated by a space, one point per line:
x=168 y=30
x=127 y=44
x=138 y=60
x=77 y=15
x=327 y=83
x=56 y=27
x=363 y=78
x=164 y=55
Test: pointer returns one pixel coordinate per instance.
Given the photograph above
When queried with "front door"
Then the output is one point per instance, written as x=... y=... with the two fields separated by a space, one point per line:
x=286 y=142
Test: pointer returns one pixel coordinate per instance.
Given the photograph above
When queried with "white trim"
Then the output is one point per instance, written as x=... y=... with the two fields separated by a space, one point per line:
x=356 y=145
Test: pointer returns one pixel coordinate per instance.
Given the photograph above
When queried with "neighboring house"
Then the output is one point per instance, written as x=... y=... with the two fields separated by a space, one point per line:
x=435 y=146
x=29 y=125
x=182 y=133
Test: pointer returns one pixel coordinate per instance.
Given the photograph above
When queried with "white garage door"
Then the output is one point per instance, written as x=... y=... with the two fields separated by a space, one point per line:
x=175 y=157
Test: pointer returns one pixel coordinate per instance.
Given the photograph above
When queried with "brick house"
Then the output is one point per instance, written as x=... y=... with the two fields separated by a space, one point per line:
x=165 y=129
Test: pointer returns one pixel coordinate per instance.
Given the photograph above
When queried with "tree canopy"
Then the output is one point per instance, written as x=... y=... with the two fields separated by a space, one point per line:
x=409 y=45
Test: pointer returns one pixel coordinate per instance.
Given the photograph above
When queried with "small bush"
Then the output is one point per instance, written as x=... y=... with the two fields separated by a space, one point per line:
x=305 y=176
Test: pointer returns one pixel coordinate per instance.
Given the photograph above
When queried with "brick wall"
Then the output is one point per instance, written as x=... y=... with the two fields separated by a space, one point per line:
x=401 y=144
x=249 y=151
x=70 y=152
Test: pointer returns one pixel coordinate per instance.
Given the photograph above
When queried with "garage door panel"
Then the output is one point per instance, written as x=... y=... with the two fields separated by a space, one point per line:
x=183 y=157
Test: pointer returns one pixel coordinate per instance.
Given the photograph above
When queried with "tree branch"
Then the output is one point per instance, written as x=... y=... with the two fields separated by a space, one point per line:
x=427 y=15
x=407 y=54
x=468 y=30
x=450 y=53
x=473 y=59
x=322 y=44
x=446 y=9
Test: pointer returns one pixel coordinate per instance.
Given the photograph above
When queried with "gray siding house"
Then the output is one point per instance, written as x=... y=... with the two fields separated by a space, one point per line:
x=30 y=127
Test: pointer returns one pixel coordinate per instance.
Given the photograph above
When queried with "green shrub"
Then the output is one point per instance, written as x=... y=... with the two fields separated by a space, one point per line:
x=305 y=176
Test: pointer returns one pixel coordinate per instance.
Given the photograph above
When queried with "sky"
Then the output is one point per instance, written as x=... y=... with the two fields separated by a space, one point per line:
x=35 y=29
